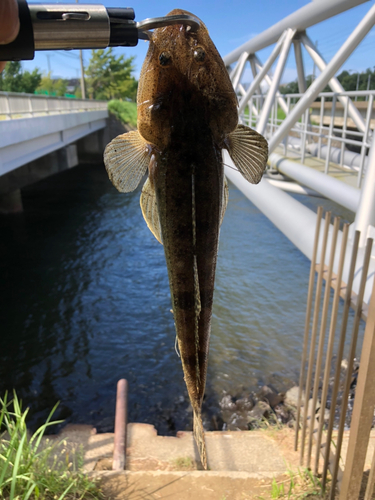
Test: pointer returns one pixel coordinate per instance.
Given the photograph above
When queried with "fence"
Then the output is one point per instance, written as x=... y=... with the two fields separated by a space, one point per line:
x=312 y=427
x=16 y=105
x=325 y=129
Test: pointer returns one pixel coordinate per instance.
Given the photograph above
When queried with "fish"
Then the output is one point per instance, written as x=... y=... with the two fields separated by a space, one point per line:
x=187 y=114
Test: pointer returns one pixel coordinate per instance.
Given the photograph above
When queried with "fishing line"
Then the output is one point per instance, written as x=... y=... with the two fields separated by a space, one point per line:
x=226 y=165
x=176 y=348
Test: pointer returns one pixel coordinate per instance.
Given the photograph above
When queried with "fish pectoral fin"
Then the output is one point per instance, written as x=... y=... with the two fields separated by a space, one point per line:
x=225 y=200
x=249 y=152
x=150 y=209
x=126 y=159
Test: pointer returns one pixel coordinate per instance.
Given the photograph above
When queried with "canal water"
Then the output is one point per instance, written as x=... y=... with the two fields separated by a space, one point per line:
x=85 y=301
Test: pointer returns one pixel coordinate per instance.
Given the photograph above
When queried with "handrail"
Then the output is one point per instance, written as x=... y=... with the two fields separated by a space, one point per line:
x=15 y=105
x=42 y=96
x=319 y=130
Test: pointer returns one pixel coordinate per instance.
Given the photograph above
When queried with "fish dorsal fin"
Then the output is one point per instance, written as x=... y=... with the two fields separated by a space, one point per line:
x=150 y=209
x=225 y=200
x=126 y=159
x=249 y=152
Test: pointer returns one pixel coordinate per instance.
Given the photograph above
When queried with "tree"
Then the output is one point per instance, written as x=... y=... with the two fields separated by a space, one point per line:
x=290 y=88
x=348 y=81
x=52 y=86
x=13 y=79
x=110 y=77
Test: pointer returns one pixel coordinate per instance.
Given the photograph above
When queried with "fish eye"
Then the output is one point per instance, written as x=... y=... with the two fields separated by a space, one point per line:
x=165 y=58
x=199 y=55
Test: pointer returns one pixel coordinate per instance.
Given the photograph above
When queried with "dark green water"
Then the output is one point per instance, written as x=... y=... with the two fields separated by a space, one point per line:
x=85 y=301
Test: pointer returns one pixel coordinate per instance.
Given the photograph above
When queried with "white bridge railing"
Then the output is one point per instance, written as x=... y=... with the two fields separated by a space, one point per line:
x=16 y=105
x=33 y=126
x=325 y=130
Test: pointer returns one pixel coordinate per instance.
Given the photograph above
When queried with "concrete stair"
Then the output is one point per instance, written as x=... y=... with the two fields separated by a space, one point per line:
x=242 y=464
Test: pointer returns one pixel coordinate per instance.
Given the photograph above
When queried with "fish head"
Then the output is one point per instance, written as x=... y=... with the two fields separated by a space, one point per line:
x=184 y=79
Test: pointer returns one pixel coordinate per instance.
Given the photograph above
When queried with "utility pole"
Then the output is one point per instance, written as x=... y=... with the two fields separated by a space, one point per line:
x=313 y=74
x=368 y=84
x=83 y=89
x=48 y=56
x=357 y=87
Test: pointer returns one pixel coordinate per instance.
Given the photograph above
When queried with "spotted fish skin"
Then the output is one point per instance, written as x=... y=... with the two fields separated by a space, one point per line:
x=194 y=108
x=187 y=113
x=190 y=241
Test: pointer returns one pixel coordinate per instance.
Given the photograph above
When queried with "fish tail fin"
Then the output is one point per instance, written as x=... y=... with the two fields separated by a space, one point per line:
x=198 y=432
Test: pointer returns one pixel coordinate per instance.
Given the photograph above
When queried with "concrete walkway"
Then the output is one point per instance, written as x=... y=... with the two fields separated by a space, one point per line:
x=242 y=464
x=255 y=452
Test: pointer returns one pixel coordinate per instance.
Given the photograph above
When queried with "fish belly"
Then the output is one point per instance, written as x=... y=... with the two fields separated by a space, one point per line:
x=189 y=194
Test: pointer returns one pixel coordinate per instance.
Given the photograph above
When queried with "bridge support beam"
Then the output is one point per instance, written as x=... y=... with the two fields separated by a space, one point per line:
x=34 y=171
x=88 y=149
x=91 y=147
x=11 y=203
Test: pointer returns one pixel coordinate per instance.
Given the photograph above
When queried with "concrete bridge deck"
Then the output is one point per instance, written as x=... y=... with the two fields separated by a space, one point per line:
x=41 y=135
x=26 y=139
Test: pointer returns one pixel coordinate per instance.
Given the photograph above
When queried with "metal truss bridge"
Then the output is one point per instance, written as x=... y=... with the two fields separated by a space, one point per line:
x=318 y=142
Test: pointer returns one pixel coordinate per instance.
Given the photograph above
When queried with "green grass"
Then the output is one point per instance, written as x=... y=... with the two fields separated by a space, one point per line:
x=125 y=111
x=280 y=116
x=33 y=468
x=300 y=484
x=184 y=463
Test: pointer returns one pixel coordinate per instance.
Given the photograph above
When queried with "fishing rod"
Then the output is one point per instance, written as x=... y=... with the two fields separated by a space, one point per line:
x=80 y=26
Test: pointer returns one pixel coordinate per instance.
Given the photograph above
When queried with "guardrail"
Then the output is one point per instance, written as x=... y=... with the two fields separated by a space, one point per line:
x=317 y=133
x=16 y=105
x=337 y=392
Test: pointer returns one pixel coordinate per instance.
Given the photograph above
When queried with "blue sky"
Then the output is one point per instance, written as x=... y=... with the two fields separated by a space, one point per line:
x=230 y=25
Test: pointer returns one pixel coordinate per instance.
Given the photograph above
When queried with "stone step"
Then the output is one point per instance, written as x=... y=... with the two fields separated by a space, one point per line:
x=178 y=485
x=256 y=452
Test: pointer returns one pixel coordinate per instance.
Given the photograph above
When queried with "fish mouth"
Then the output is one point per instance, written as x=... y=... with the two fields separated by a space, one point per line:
x=181 y=12
x=191 y=22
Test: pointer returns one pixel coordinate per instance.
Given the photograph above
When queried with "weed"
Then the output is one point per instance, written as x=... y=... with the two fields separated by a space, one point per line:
x=30 y=467
x=300 y=484
x=125 y=111
x=271 y=424
x=184 y=463
x=277 y=489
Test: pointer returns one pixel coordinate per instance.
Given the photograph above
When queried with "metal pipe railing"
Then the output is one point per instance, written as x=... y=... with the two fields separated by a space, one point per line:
x=18 y=105
x=318 y=133
x=334 y=189
x=121 y=423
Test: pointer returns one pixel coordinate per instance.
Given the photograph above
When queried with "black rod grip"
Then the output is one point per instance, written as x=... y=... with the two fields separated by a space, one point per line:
x=121 y=13
x=22 y=48
x=123 y=35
